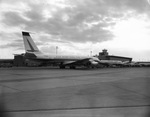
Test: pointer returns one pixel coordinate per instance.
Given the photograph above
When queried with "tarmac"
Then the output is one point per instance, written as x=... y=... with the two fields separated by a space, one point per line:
x=53 y=92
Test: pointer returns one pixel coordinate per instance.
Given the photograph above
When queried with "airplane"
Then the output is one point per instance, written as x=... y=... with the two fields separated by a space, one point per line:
x=131 y=64
x=33 y=54
x=113 y=63
x=144 y=64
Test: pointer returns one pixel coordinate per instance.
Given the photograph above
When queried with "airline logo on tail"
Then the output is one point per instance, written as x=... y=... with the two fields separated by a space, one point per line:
x=28 y=43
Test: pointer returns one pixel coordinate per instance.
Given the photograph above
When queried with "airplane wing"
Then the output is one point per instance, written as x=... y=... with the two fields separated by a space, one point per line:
x=110 y=62
x=83 y=62
x=77 y=62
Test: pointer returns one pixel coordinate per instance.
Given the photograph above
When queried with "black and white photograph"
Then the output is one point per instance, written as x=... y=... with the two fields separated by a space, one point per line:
x=74 y=58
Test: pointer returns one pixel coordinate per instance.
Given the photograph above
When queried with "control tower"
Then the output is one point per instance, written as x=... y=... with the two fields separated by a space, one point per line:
x=103 y=54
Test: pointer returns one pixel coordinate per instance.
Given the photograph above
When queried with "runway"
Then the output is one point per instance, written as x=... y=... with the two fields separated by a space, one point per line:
x=50 y=92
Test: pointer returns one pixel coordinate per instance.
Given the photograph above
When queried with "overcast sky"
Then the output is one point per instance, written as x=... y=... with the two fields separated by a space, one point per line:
x=77 y=26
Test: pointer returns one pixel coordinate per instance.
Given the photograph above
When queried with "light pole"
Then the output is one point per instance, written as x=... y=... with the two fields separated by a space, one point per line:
x=56 y=50
x=91 y=53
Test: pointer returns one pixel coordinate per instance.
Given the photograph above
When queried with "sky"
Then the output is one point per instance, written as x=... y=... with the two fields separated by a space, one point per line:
x=77 y=27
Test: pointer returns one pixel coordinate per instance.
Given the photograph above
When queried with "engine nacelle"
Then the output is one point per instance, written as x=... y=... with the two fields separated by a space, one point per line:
x=94 y=63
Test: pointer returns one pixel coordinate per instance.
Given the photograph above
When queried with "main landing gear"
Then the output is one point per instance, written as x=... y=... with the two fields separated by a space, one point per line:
x=63 y=67
x=72 y=67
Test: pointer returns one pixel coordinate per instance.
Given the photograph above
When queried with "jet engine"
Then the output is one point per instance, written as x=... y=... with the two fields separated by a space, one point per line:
x=94 y=63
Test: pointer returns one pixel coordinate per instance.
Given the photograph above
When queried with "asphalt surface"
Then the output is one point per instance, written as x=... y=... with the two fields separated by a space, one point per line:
x=47 y=92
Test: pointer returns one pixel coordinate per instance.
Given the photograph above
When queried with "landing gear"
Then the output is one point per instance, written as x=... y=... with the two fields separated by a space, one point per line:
x=72 y=67
x=61 y=66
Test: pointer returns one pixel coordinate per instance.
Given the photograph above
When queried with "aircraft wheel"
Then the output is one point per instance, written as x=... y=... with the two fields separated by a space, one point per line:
x=72 y=67
x=62 y=67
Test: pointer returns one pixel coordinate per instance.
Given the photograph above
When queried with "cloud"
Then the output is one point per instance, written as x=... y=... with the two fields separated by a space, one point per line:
x=67 y=21
x=71 y=23
x=13 y=19
x=17 y=44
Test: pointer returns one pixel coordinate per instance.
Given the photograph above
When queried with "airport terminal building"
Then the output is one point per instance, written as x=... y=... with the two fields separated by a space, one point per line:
x=104 y=55
x=6 y=62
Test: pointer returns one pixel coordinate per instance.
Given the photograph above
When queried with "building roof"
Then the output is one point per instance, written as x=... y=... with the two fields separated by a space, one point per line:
x=119 y=57
x=6 y=60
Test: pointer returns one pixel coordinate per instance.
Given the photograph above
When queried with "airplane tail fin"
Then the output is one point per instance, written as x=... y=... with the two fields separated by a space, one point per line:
x=29 y=43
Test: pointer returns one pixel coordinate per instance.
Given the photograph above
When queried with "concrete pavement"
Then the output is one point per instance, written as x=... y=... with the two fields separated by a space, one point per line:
x=110 y=92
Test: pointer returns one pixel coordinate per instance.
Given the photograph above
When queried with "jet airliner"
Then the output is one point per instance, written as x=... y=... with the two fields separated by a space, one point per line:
x=34 y=54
